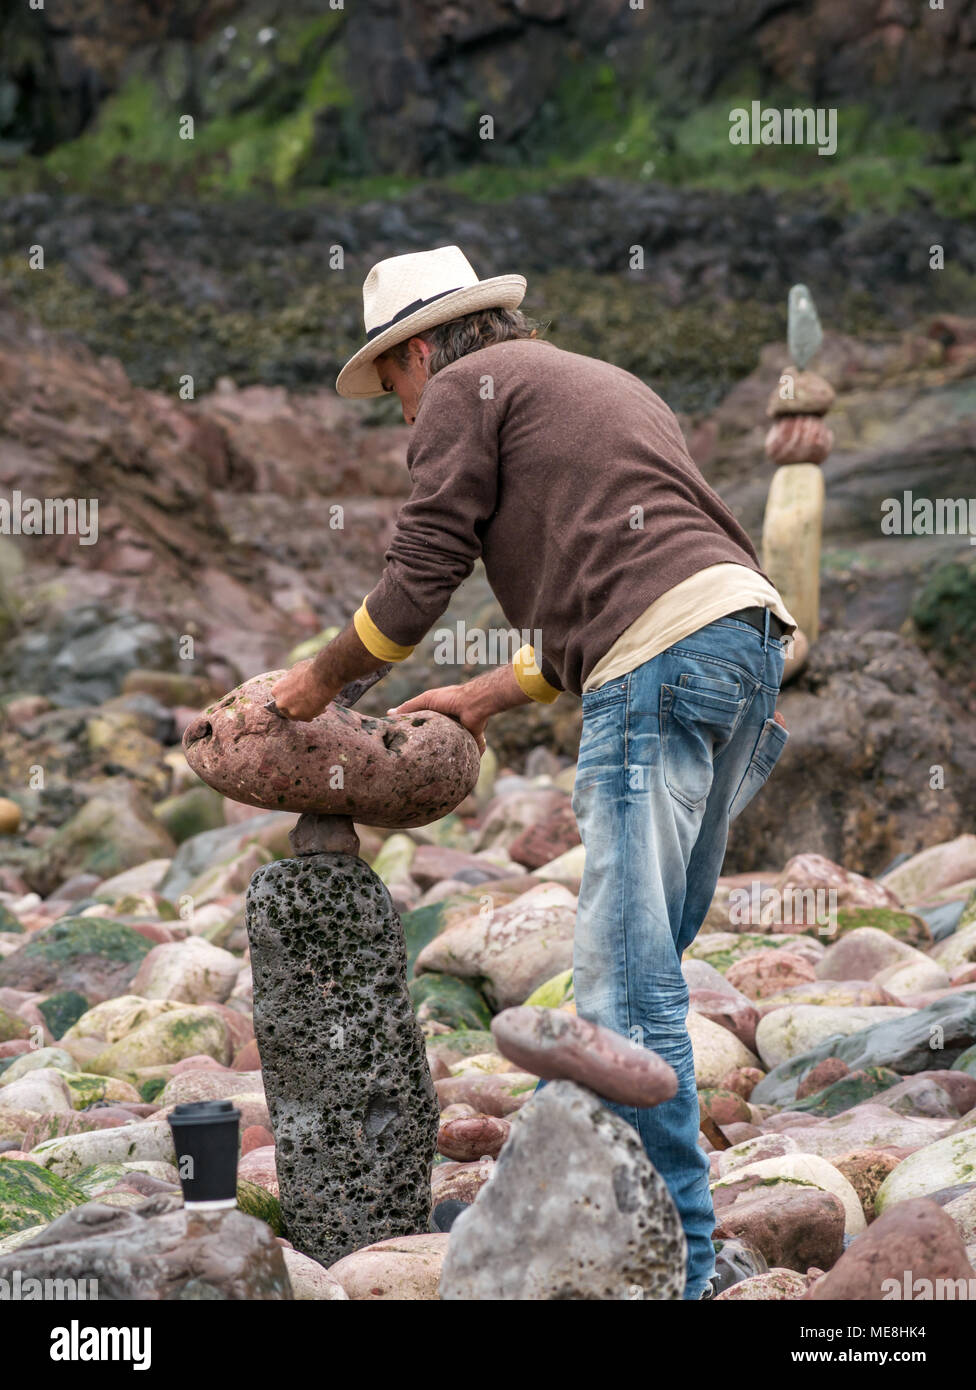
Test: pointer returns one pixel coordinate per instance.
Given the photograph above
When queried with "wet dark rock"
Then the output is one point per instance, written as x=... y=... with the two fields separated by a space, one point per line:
x=904 y=1045
x=345 y=1071
x=83 y=658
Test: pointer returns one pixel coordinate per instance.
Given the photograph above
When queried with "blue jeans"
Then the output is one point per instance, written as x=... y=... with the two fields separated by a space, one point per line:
x=670 y=753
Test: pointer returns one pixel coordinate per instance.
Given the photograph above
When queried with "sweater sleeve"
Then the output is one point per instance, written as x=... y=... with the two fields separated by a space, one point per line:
x=453 y=464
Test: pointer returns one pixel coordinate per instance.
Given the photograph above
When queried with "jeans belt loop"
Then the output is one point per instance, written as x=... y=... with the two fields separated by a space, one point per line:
x=766 y=629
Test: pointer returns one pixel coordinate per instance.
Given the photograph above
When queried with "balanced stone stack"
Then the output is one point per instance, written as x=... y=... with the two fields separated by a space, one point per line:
x=574 y=1208
x=349 y=1090
x=798 y=442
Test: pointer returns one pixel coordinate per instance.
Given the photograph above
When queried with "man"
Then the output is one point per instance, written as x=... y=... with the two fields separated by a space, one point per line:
x=571 y=480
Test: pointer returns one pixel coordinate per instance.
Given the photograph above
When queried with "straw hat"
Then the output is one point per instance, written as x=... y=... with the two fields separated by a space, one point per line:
x=405 y=295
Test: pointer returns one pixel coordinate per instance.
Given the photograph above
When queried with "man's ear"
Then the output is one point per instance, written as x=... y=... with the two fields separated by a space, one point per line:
x=419 y=350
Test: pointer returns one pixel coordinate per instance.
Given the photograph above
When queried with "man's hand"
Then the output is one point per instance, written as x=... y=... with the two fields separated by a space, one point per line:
x=472 y=704
x=300 y=693
x=451 y=700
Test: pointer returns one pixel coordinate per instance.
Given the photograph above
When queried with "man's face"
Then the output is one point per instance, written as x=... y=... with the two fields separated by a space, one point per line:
x=407 y=381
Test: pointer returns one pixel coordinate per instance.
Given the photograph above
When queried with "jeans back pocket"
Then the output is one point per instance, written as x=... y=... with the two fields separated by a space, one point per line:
x=697 y=719
x=773 y=738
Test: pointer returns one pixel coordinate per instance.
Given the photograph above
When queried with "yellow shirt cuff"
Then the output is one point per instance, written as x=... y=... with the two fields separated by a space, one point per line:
x=530 y=678
x=374 y=641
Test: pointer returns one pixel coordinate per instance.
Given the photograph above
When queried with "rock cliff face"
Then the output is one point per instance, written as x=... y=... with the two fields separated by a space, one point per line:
x=414 y=74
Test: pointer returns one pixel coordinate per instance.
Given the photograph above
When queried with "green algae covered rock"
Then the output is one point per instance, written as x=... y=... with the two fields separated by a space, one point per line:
x=36 y=1060
x=722 y=949
x=923 y=1038
x=949 y=1162
x=30 y=1195
x=12 y=1026
x=8 y=922
x=183 y=1032
x=86 y=1088
x=258 y=1201
x=92 y=955
x=903 y=926
x=445 y=999
x=62 y=1010
x=554 y=993
x=147 y=1139
x=848 y=1091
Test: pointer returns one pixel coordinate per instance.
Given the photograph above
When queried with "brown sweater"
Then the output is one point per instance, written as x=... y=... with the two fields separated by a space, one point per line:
x=571 y=479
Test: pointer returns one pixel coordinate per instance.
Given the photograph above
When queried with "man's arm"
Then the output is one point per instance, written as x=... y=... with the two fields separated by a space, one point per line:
x=305 y=690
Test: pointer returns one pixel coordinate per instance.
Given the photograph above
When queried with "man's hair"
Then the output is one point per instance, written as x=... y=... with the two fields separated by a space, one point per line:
x=449 y=341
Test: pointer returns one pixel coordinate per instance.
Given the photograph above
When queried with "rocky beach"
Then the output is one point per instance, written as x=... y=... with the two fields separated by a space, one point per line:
x=376 y=968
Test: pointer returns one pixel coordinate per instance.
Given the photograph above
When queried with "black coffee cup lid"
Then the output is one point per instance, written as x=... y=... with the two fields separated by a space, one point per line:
x=204 y=1111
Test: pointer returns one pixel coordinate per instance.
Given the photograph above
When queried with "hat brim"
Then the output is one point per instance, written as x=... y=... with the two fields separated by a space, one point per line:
x=359 y=378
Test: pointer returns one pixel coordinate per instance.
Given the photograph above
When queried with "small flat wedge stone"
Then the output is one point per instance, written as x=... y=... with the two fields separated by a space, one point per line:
x=560 y=1046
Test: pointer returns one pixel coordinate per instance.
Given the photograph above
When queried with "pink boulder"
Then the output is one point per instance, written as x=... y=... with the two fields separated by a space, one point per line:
x=557 y=1045
x=400 y=772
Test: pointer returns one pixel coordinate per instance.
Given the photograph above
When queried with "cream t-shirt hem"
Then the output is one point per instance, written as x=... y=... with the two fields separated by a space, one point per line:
x=711 y=593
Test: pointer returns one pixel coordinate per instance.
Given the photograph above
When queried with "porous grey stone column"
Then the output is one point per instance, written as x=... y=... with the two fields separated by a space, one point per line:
x=345 y=1070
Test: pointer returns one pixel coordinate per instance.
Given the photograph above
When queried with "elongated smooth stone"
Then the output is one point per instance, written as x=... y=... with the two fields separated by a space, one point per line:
x=400 y=772
x=791 y=541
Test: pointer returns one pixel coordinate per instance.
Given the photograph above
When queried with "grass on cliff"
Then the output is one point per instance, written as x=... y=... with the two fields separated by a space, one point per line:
x=302 y=137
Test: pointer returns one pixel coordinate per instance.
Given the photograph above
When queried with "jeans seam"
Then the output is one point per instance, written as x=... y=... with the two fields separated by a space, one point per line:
x=621 y=897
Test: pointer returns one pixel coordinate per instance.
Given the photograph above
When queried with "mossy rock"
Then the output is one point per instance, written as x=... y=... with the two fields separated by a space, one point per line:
x=93 y=955
x=258 y=1201
x=169 y=1037
x=445 y=999
x=90 y=936
x=191 y=812
x=33 y=1059
x=98 y=1178
x=151 y=1088
x=8 y=922
x=966 y=1061
x=12 y=1027
x=722 y=949
x=848 y=1091
x=554 y=993
x=421 y=926
x=944 y=612
x=903 y=926
x=29 y=1194
x=466 y=1042
x=86 y=1089
x=62 y=1011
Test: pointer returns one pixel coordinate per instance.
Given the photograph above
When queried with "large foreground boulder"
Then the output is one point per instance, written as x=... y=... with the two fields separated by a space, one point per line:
x=601 y=1226
x=137 y=1254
